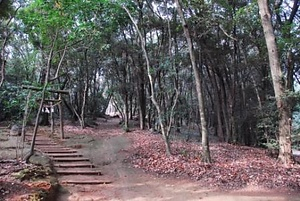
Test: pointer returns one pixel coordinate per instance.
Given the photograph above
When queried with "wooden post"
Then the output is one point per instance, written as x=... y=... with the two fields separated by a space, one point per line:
x=25 y=117
x=51 y=119
x=59 y=101
x=62 y=135
x=49 y=90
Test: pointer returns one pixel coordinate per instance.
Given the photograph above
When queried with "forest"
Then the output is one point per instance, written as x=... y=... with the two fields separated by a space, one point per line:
x=229 y=69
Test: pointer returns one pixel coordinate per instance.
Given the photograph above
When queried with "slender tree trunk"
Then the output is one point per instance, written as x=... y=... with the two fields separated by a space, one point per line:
x=217 y=104
x=25 y=116
x=45 y=115
x=3 y=62
x=223 y=99
x=126 y=111
x=125 y=91
x=205 y=142
x=82 y=115
x=85 y=92
x=51 y=120
x=142 y=100
x=141 y=93
x=61 y=119
x=151 y=82
x=284 y=109
x=2 y=55
x=31 y=152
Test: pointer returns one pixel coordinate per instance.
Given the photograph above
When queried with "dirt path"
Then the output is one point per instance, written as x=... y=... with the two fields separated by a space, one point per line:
x=109 y=151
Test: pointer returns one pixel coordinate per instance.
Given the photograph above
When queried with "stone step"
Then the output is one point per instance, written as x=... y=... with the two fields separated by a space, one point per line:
x=58 y=155
x=74 y=165
x=45 y=143
x=72 y=168
x=51 y=147
x=37 y=136
x=39 y=139
x=85 y=182
x=84 y=179
x=57 y=150
x=42 y=143
x=76 y=171
x=71 y=159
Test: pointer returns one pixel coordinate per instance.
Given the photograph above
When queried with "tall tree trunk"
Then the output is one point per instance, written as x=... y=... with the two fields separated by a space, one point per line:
x=141 y=98
x=125 y=91
x=142 y=80
x=126 y=111
x=45 y=114
x=2 y=54
x=163 y=127
x=284 y=109
x=85 y=91
x=61 y=119
x=205 y=142
x=31 y=151
x=3 y=62
x=217 y=104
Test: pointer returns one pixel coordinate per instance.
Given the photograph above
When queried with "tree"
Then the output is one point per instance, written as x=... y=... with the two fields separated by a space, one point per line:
x=165 y=121
x=6 y=15
x=283 y=106
x=205 y=143
x=98 y=50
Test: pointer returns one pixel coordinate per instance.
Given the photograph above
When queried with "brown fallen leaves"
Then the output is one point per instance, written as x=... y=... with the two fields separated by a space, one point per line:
x=40 y=185
x=11 y=187
x=20 y=181
x=233 y=167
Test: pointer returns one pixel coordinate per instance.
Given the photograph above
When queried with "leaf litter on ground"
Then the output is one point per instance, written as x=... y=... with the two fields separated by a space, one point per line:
x=233 y=167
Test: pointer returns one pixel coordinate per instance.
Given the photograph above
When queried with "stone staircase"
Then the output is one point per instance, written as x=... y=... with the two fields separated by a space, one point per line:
x=71 y=167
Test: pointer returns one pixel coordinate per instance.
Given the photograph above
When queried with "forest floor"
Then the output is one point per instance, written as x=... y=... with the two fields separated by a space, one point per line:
x=139 y=170
x=136 y=165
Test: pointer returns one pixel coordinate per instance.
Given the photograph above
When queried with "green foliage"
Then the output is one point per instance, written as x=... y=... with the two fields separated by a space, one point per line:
x=71 y=20
x=9 y=103
x=296 y=140
x=98 y=35
x=272 y=144
x=248 y=22
x=13 y=101
x=267 y=126
x=6 y=8
x=42 y=20
x=292 y=97
x=248 y=16
x=296 y=127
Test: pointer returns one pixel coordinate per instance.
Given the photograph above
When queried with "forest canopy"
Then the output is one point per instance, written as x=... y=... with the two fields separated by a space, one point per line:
x=173 y=65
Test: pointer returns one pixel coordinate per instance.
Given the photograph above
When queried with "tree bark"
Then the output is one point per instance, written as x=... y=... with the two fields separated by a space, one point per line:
x=61 y=119
x=284 y=109
x=2 y=55
x=205 y=142
x=142 y=99
x=31 y=152
x=3 y=62
x=217 y=104
x=49 y=90
x=25 y=116
x=151 y=82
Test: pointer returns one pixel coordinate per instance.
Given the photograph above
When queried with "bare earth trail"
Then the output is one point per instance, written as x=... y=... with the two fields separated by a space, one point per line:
x=108 y=147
